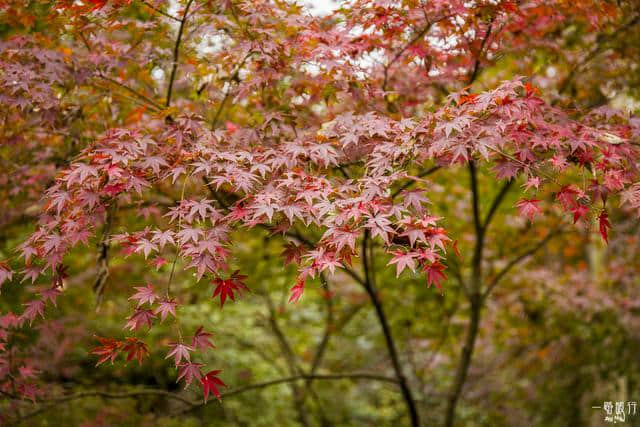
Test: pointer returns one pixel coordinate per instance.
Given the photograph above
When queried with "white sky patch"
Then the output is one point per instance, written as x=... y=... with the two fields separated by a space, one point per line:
x=158 y=74
x=212 y=43
x=321 y=7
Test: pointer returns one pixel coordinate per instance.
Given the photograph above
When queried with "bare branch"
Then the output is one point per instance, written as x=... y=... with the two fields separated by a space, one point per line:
x=137 y=94
x=406 y=185
x=518 y=259
x=600 y=43
x=496 y=202
x=479 y=55
x=388 y=337
x=160 y=11
x=176 y=53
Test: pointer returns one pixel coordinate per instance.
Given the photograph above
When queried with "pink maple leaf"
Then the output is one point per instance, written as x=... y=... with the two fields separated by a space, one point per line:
x=189 y=371
x=179 y=351
x=201 y=339
x=528 y=208
x=34 y=308
x=140 y=318
x=144 y=295
x=403 y=260
x=166 y=307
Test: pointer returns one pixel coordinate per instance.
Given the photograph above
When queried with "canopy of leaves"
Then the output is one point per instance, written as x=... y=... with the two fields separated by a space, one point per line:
x=393 y=213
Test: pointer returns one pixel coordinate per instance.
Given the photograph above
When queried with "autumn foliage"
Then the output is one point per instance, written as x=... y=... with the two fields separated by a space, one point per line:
x=380 y=143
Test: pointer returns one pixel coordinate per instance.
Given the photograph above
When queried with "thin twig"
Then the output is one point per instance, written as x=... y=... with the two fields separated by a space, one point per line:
x=146 y=99
x=386 y=331
x=234 y=77
x=406 y=185
x=496 y=202
x=595 y=51
x=518 y=259
x=476 y=65
x=160 y=11
x=176 y=53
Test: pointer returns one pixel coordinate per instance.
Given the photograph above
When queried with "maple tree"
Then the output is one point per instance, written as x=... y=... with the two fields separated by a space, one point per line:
x=383 y=142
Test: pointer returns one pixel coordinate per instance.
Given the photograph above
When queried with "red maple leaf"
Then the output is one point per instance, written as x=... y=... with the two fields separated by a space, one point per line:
x=579 y=211
x=603 y=221
x=201 y=339
x=139 y=318
x=226 y=287
x=296 y=291
x=189 y=371
x=135 y=349
x=210 y=383
x=109 y=350
x=293 y=253
x=435 y=274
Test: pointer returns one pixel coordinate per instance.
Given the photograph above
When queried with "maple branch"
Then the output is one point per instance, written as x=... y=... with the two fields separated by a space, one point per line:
x=103 y=394
x=397 y=56
x=476 y=211
x=473 y=292
x=290 y=357
x=475 y=302
x=601 y=41
x=294 y=234
x=302 y=239
x=193 y=405
x=412 y=182
x=146 y=99
x=234 y=77
x=476 y=65
x=417 y=37
x=160 y=11
x=320 y=351
x=322 y=346
x=103 y=255
x=286 y=380
x=176 y=53
x=386 y=330
x=518 y=259
x=496 y=203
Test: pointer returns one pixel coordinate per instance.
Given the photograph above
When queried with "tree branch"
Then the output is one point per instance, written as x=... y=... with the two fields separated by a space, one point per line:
x=265 y=384
x=103 y=254
x=417 y=37
x=144 y=98
x=496 y=202
x=406 y=185
x=514 y=262
x=386 y=330
x=160 y=11
x=176 y=53
x=193 y=405
x=475 y=302
x=601 y=41
x=233 y=78
x=290 y=357
x=476 y=65
x=103 y=394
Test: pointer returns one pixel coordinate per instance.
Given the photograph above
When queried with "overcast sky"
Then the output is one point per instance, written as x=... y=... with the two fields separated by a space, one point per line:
x=321 y=7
